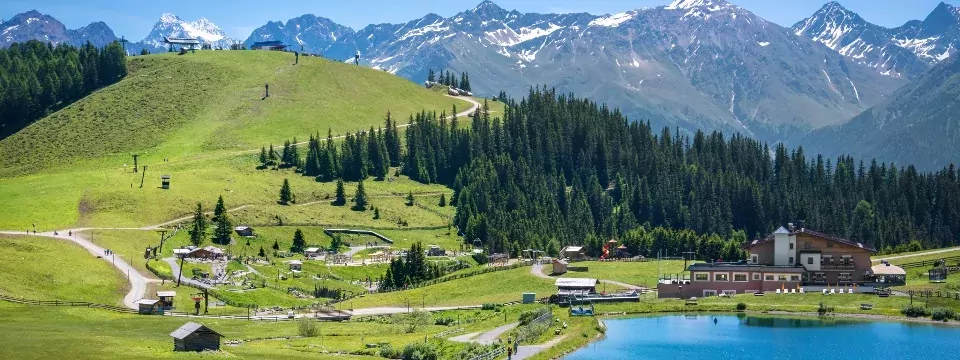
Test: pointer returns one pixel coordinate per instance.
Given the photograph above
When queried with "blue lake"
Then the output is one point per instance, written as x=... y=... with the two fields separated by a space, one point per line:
x=743 y=337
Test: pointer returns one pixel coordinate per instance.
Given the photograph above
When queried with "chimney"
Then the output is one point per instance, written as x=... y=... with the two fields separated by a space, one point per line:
x=790 y=227
x=802 y=226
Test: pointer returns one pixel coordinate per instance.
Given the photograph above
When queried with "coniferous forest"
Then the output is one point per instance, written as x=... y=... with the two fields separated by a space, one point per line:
x=558 y=170
x=38 y=78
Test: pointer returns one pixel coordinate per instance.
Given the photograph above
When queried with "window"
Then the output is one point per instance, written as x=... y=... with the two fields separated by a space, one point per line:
x=791 y=246
x=819 y=277
x=791 y=260
x=701 y=277
x=756 y=276
x=729 y=292
x=781 y=277
x=810 y=260
x=721 y=277
x=707 y=293
x=740 y=277
x=794 y=277
x=754 y=258
x=768 y=277
x=845 y=277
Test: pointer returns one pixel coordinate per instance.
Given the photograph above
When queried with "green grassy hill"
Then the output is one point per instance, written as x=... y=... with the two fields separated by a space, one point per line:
x=195 y=117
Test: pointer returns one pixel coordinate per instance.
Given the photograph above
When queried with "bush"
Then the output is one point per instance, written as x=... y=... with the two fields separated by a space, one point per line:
x=491 y=306
x=914 y=311
x=741 y=306
x=943 y=314
x=387 y=351
x=444 y=321
x=308 y=327
x=420 y=351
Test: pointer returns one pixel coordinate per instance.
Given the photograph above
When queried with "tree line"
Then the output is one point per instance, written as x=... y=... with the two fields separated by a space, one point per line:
x=414 y=269
x=450 y=79
x=39 y=78
x=563 y=169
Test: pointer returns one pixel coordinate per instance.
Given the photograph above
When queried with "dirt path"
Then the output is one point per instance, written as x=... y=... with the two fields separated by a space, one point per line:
x=537 y=270
x=138 y=282
x=528 y=351
x=940 y=251
x=401 y=310
x=488 y=337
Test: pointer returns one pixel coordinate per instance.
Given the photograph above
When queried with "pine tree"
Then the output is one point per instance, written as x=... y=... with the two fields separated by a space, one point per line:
x=272 y=156
x=199 y=230
x=431 y=77
x=360 y=198
x=276 y=245
x=410 y=199
x=340 y=198
x=376 y=213
x=299 y=243
x=262 y=253
x=144 y=51
x=443 y=200
x=263 y=156
x=222 y=234
x=286 y=195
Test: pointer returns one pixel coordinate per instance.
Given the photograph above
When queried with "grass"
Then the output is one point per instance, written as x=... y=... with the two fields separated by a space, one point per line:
x=191 y=117
x=48 y=269
x=634 y=273
x=495 y=287
x=920 y=258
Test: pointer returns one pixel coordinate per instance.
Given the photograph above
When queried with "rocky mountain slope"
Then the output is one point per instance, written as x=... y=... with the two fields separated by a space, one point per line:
x=170 y=25
x=32 y=25
x=919 y=124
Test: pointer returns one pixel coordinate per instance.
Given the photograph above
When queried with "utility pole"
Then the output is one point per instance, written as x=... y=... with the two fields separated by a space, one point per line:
x=143 y=176
x=135 y=156
x=162 y=232
x=180 y=274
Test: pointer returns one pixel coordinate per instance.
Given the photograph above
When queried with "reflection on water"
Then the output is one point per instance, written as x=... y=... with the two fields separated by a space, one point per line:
x=761 y=337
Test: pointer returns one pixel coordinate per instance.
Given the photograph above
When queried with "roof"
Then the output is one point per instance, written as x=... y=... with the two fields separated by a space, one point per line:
x=181 y=41
x=147 y=301
x=559 y=261
x=190 y=328
x=572 y=248
x=213 y=249
x=313 y=249
x=723 y=266
x=267 y=43
x=165 y=176
x=296 y=262
x=166 y=293
x=576 y=283
x=813 y=233
x=242 y=227
x=781 y=230
x=181 y=251
x=887 y=269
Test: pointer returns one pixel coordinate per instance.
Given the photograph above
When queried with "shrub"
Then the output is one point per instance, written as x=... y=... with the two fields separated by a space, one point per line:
x=444 y=321
x=528 y=316
x=420 y=351
x=387 y=351
x=914 y=311
x=741 y=306
x=491 y=306
x=943 y=314
x=308 y=327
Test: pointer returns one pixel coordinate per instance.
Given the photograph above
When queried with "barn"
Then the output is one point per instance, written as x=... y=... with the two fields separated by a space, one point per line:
x=195 y=337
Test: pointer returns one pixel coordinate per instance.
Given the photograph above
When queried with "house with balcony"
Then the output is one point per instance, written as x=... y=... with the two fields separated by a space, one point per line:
x=788 y=260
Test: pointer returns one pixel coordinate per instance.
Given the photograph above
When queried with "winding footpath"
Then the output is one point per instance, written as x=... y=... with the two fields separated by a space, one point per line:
x=138 y=282
x=537 y=270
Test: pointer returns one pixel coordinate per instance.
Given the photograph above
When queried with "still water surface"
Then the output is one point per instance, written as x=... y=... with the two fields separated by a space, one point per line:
x=769 y=338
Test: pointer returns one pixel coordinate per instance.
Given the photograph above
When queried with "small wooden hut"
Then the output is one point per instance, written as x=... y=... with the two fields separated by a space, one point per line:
x=195 y=337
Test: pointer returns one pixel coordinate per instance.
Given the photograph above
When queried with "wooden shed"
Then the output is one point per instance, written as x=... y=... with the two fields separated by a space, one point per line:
x=573 y=252
x=165 y=301
x=149 y=307
x=244 y=231
x=195 y=337
x=296 y=265
x=559 y=267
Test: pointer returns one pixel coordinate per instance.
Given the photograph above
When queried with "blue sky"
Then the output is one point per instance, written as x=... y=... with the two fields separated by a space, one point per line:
x=238 y=18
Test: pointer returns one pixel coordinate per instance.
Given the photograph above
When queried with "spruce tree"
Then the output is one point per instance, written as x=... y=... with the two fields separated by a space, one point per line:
x=431 y=77
x=272 y=156
x=224 y=230
x=376 y=213
x=286 y=195
x=443 y=200
x=340 y=198
x=276 y=245
x=299 y=243
x=199 y=230
x=410 y=199
x=360 y=198
x=263 y=156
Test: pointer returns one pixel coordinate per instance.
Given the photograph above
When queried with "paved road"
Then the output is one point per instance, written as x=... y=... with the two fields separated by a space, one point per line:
x=486 y=338
x=186 y=278
x=401 y=310
x=138 y=282
x=917 y=254
x=355 y=249
x=537 y=270
x=528 y=351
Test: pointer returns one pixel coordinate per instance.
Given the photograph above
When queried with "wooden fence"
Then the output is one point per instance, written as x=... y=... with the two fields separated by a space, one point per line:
x=67 y=303
x=928 y=263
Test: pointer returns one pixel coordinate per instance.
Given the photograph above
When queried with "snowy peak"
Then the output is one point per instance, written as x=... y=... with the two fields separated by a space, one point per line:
x=712 y=5
x=170 y=25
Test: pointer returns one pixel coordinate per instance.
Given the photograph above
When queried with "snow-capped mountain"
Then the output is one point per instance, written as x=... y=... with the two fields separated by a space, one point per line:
x=909 y=50
x=171 y=25
x=32 y=25
x=691 y=63
x=311 y=33
x=872 y=45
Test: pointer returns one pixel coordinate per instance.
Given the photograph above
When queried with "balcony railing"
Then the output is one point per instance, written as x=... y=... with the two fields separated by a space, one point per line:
x=838 y=267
